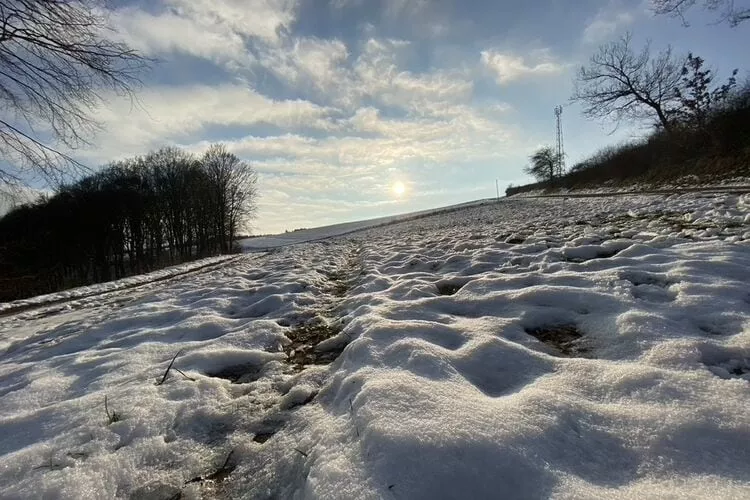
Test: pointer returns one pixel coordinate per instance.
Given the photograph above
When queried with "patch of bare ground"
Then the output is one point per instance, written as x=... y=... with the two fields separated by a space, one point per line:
x=303 y=350
x=565 y=339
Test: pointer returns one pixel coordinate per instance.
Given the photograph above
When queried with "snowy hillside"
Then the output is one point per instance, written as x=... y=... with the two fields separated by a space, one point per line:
x=588 y=348
x=260 y=243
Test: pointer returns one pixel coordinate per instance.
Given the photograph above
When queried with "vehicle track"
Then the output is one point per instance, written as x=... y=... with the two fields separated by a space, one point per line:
x=55 y=306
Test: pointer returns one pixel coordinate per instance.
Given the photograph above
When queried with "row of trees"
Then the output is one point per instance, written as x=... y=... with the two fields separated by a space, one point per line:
x=133 y=216
x=620 y=84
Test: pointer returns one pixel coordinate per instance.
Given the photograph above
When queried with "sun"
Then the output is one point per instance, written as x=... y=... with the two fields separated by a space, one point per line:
x=398 y=188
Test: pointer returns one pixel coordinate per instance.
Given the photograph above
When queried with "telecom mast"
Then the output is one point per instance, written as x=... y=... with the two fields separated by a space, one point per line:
x=560 y=168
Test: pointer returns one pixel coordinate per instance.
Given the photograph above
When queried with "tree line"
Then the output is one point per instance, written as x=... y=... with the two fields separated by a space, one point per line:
x=134 y=216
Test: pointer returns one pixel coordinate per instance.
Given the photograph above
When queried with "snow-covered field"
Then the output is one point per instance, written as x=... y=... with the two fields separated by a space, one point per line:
x=261 y=243
x=588 y=348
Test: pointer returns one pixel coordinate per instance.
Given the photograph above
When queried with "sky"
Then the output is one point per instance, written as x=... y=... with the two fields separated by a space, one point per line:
x=351 y=109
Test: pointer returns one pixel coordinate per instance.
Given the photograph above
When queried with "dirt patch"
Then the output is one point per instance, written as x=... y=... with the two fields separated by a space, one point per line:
x=564 y=338
x=262 y=437
x=447 y=288
x=711 y=329
x=339 y=287
x=644 y=278
x=732 y=368
x=337 y=279
x=268 y=428
x=515 y=239
x=238 y=374
x=305 y=338
x=601 y=253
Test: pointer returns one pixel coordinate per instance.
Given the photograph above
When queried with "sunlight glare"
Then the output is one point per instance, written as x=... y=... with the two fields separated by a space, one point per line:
x=398 y=188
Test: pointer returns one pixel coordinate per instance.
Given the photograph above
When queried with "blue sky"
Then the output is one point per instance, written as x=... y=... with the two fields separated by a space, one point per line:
x=336 y=101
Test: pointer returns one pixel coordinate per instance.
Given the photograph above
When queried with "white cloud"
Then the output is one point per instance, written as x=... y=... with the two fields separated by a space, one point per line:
x=308 y=64
x=168 y=114
x=367 y=141
x=606 y=24
x=375 y=118
x=169 y=32
x=326 y=68
x=255 y=18
x=507 y=67
x=379 y=76
x=217 y=30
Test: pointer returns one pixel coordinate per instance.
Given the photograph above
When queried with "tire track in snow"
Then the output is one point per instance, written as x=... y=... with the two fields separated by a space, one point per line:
x=306 y=371
x=85 y=299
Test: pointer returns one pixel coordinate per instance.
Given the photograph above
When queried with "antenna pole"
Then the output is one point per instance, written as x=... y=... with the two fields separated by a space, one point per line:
x=560 y=148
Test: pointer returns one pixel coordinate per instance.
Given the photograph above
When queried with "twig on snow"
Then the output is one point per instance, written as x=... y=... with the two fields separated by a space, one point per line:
x=113 y=417
x=219 y=475
x=351 y=411
x=183 y=374
x=166 y=373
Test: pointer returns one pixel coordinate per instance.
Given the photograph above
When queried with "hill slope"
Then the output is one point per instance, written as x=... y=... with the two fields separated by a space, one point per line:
x=521 y=349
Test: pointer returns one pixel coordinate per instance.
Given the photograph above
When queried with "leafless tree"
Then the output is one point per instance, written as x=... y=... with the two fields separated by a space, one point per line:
x=728 y=10
x=544 y=162
x=56 y=59
x=620 y=84
x=233 y=182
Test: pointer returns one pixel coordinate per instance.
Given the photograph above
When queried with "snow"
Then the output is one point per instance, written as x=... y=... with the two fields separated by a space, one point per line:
x=529 y=348
x=98 y=289
x=685 y=184
x=305 y=235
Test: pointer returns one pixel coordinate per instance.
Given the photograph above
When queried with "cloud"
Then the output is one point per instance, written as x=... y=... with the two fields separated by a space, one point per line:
x=361 y=139
x=263 y=19
x=217 y=30
x=329 y=119
x=507 y=68
x=168 y=32
x=367 y=142
x=168 y=114
x=310 y=65
x=327 y=70
x=379 y=76
x=606 y=24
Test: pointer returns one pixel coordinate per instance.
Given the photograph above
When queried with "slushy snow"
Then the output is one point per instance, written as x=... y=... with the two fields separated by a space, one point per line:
x=529 y=348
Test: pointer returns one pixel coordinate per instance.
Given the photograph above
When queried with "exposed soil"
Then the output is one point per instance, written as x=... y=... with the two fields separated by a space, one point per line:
x=447 y=288
x=564 y=338
x=305 y=338
x=238 y=374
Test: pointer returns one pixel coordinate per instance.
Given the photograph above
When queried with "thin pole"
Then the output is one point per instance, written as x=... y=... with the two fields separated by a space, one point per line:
x=497 y=188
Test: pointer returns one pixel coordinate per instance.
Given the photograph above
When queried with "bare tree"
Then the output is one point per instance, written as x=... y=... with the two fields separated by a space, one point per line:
x=727 y=10
x=56 y=57
x=544 y=163
x=622 y=85
x=233 y=182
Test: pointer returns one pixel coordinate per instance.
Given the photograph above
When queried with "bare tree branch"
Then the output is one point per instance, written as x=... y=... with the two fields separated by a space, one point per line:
x=727 y=10
x=619 y=84
x=56 y=59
